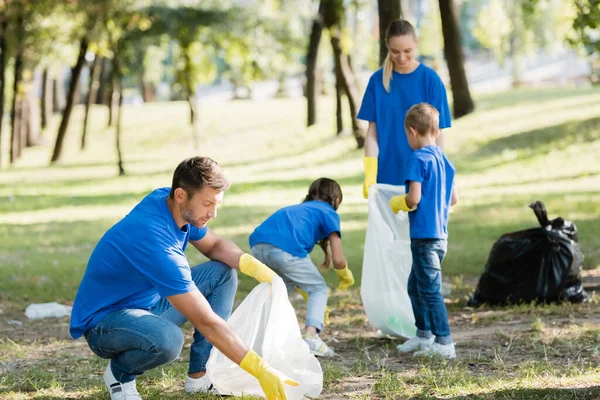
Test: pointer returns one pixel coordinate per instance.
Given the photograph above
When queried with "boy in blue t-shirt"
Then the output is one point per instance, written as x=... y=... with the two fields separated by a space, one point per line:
x=430 y=194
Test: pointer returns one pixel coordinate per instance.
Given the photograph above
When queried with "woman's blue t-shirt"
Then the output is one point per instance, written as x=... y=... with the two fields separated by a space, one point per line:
x=137 y=261
x=388 y=111
x=296 y=229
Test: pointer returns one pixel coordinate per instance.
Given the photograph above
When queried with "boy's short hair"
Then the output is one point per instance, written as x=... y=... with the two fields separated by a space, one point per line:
x=423 y=118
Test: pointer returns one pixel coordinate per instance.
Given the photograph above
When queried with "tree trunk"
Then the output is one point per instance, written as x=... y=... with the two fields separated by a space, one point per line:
x=31 y=118
x=102 y=82
x=118 y=93
x=389 y=10
x=311 y=67
x=463 y=104
x=91 y=95
x=113 y=103
x=339 y=91
x=3 y=59
x=46 y=99
x=58 y=95
x=15 y=114
x=349 y=85
x=62 y=130
x=191 y=94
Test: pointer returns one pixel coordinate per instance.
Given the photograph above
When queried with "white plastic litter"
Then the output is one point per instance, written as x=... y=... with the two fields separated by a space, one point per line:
x=47 y=310
x=386 y=265
x=266 y=321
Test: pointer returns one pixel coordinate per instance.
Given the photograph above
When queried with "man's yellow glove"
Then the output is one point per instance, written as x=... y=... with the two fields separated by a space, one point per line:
x=398 y=203
x=327 y=309
x=346 y=277
x=271 y=381
x=254 y=268
x=370 y=174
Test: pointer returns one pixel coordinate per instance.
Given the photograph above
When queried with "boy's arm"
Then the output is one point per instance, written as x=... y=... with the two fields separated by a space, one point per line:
x=414 y=194
x=454 y=198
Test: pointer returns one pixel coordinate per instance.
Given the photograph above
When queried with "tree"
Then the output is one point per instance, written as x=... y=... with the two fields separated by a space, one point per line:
x=311 y=65
x=3 y=60
x=585 y=37
x=463 y=104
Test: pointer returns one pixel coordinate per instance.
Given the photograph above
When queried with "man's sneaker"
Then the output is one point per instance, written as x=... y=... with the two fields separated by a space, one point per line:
x=415 y=343
x=199 y=385
x=438 y=350
x=317 y=346
x=120 y=391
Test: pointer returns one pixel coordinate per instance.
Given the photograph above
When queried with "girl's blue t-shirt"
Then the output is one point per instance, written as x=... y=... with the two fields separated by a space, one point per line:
x=296 y=229
x=388 y=111
x=430 y=167
x=137 y=261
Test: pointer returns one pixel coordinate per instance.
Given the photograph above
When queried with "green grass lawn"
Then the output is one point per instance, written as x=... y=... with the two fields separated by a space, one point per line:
x=516 y=148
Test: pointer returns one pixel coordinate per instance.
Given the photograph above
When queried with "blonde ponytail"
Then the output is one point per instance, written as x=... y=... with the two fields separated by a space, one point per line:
x=388 y=67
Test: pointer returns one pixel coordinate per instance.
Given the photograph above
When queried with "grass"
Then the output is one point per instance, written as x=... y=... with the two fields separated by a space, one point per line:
x=516 y=148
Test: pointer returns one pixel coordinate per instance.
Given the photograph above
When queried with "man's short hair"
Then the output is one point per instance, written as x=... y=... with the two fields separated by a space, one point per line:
x=423 y=118
x=195 y=173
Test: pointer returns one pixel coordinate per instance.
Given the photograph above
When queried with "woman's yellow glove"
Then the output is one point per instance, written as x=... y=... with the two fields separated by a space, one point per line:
x=398 y=203
x=370 y=174
x=271 y=381
x=346 y=277
x=254 y=268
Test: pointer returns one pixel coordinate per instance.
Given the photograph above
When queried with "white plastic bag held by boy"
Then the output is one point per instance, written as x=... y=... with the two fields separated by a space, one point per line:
x=386 y=265
x=266 y=321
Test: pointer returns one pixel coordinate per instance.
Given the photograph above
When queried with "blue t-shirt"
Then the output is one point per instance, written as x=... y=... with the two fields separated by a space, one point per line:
x=137 y=261
x=430 y=167
x=296 y=229
x=388 y=111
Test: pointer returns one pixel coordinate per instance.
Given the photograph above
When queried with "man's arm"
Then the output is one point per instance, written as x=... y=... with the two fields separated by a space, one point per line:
x=217 y=248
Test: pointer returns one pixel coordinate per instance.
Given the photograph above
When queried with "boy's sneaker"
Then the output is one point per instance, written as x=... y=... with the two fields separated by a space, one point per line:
x=317 y=346
x=436 y=349
x=415 y=343
x=120 y=391
x=199 y=385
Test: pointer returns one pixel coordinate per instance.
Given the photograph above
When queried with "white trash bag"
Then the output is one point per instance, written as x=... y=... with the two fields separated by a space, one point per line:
x=386 y=265
x=267 y=323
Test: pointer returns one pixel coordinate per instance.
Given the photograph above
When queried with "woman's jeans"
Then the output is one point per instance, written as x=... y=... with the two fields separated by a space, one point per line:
x=425 y=289
x=297 y=272
x=138 y=340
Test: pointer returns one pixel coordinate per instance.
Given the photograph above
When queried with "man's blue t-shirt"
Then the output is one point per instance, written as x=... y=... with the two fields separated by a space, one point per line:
x=430 y=167
x=296 y=229
x=388 y=111
x=137 y=261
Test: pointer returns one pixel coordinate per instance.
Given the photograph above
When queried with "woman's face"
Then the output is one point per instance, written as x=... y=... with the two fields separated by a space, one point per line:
x=402 y=51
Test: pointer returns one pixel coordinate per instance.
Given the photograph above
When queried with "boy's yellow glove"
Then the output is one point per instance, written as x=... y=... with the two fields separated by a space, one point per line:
x=398 y=203
x=370 y=174
x=254 y=268
x=327 y=309
x=271 y=381
x=346 y=277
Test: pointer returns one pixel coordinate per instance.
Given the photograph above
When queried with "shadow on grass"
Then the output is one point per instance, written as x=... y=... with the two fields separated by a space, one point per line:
x=530 y=144
x=532 y=394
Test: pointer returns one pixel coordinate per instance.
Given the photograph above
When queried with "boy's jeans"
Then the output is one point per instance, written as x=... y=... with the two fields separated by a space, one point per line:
x=425 y=289
x=300 y=272
x=138 y=340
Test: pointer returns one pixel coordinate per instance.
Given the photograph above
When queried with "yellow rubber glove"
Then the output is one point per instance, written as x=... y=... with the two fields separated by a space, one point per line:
x=398 y=203
x=370 y=174
x=254 y=268
x=327 y=309
x=346 y=277
x=271 y=381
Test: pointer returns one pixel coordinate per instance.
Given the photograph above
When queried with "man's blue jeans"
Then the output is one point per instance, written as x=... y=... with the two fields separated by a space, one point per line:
x=297 y=272
x=138 y=340
x=425 y=289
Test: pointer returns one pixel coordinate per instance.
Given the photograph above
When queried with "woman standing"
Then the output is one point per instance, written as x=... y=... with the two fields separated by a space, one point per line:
x=401 y=83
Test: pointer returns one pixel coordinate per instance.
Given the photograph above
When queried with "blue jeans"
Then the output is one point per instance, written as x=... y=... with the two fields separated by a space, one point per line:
x=138 y=340
x=297 y=272
x=425 y=289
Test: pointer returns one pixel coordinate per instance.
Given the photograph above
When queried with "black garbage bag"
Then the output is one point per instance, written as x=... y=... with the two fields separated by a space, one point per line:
x=539 y=264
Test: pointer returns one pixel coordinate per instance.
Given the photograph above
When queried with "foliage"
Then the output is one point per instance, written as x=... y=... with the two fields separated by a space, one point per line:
x=586 y=35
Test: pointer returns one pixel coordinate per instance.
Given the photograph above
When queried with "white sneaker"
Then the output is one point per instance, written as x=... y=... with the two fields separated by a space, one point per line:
x=415 y=343
x=199 y=385
x=120 y=391
x=441 y=350
x=318 y=347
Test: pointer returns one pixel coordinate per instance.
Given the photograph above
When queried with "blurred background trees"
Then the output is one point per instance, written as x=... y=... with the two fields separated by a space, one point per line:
x=56 y=55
